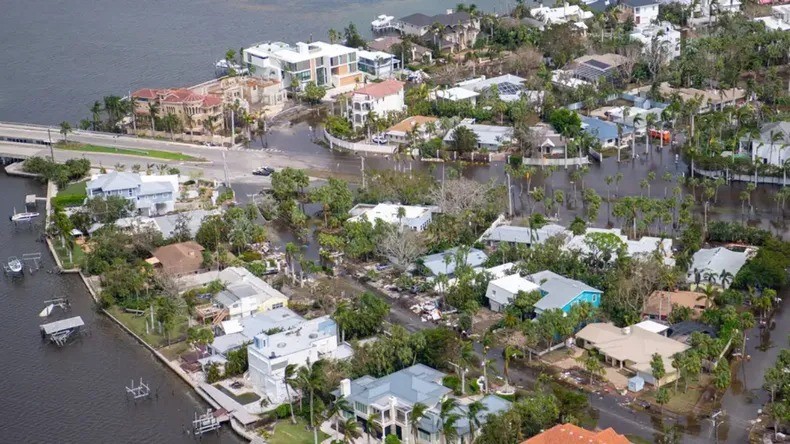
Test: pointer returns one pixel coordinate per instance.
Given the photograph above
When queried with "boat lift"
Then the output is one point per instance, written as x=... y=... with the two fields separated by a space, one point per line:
x=138 y=392
x=59 y=332
x=205 y=423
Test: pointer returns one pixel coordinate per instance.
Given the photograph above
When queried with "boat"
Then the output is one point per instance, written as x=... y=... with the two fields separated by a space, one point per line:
x=14 y=265
x=47 y=310
x=225 y=67
x=383 y=22
x=23 y=217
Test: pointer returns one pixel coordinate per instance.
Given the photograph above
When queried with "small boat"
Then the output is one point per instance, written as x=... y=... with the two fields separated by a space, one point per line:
x=14 y=265
x=23 y=217
x=382 y=23
x=47 y=310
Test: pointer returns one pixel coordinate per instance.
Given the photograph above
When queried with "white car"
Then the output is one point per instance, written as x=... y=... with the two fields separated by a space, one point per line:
x=381 y=139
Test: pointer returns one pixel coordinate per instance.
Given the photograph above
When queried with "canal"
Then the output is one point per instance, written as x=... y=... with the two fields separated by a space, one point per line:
x=76 y=393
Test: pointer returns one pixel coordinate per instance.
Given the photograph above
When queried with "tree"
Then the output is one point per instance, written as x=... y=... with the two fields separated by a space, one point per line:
x=289 y=376
x=362 y=317
x=473 y=413
x=310 y=378
x=352 y=37
x=448 y=418
x=335 y=198
x=313 y=93
x=418 y=411
x=199 y=336
x=109 y=209
x=510 y=352
x=566 y=122
x=65 y=129
x=181 y=231
x=662 y=397
x=463 y=139
x=592 y=363
x=721 y=375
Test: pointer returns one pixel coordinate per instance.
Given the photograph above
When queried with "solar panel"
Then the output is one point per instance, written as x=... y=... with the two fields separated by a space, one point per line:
x=508 y=88
x=598 y=64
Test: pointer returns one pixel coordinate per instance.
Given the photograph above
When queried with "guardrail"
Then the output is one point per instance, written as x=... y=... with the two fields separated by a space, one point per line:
x=729 y=176
x=358 y=147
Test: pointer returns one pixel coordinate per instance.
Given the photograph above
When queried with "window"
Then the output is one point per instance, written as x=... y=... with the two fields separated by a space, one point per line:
x=278 y=305
x=401 y=416
x=362 y=408
x=423 y=435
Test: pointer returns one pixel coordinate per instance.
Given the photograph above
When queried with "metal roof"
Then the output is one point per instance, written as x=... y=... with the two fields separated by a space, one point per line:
x=509 y=286
x=716 y=260
x=524 y=235
x=115 y=181
x=436 y=262
x=558 y=290
x=418 y=383
x=63 y=324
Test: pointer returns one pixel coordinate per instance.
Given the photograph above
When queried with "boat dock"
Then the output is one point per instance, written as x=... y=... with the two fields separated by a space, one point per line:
x=384 y=23
x=59 y=332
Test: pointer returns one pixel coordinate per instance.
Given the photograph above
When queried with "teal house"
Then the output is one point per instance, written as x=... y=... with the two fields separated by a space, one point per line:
x=561 y=292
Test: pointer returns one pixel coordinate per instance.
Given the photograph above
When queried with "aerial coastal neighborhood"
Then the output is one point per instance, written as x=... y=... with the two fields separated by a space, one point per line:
x=558 y=215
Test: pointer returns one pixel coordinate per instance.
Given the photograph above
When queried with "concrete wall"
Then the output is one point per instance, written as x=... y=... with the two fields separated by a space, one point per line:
x=334 y=143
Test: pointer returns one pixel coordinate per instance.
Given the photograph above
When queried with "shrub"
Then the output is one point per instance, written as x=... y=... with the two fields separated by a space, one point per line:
x=282 y=411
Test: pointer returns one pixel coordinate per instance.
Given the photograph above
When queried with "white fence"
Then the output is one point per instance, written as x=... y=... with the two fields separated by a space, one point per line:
x=729 y=176
x=555 y=162
x=358 y=147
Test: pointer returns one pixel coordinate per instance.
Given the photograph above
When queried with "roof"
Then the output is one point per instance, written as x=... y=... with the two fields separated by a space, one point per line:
x=243 y=284
x=775 y=128
x=297 y=339
x=63 y=324
x=638 y=3
x=508 y=84
x=373 y=55
x=383 y=43
x=571 y=434
x=183 y=257
x=416 y=384
x=167 y=223
x=116 y=180
x=492 y=405
x=661 y=302
x=408 y=123
x=421 y=20
x=387 y=213
x=436 y=262
x=148 y=188
x=601 y=129
x=381 y=89
x=509 y=286
x=558 y=291
x=680 y=331
x=716 y=260
x=524 y=235
x=652 y=326
x=239 y=331
x=491 y=135
x=455 y=93
x=633 y=345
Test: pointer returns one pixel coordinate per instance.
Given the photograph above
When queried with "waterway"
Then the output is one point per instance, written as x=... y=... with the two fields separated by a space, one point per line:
x=75 y=394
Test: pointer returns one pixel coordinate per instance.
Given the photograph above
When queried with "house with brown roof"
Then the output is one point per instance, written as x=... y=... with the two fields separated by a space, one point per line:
x=418 y=125
x=380 y=98
x=572 y=434
x=181 y=258
x=197 y=113
x=660 y=303
x=416 y=53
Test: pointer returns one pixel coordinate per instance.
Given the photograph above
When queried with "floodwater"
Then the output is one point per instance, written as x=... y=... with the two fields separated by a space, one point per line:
x=76 y=394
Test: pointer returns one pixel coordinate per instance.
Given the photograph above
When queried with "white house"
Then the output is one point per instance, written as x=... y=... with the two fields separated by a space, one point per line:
x=377 y=63
x=644 y=12
x=563 y=14
x=245 y=293
x=779 y=20
x=489 y=137
x=270 y=353
x=327 y=64
x=416 y=125
x=638 y=249
x=414 y=217
x=151 y=195
x=661 y=37
x=456 y=94
x=501 y=292
x=731 y=6
x=773 y=145
x=379 y=98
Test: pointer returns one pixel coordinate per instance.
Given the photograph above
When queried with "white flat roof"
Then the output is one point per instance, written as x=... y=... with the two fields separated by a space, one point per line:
x=388 y=212
x=291 y=54
x=652 y=326
x=373 y=55
x=455 y=93
x=515 y=283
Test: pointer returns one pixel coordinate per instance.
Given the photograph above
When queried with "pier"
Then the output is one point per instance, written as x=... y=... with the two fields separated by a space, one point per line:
x=59 y=332
x=139 y=391
x=207 y=422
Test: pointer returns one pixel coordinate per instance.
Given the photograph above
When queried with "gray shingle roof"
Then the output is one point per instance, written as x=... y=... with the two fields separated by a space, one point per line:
x=558 y=290
x=436 y=262
x=115 y=181
x=418 y=383
x=421 y=20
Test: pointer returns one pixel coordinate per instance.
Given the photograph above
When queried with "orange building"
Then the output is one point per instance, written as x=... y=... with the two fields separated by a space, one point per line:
x=572 y=434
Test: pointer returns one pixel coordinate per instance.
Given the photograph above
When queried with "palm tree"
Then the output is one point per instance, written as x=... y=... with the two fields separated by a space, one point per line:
x=65 y=129
x=709 y=293
x=288 y=378
x=311 y=378
x=637 y=120
x=374 y=428
x=650 y=122
x=418 y=411
x=473 y=416
x=510 y=352
x=96 y=114
x=448 y=419
x=336 y=411
x=351 y=430
x=153 y=110
x=725 y=278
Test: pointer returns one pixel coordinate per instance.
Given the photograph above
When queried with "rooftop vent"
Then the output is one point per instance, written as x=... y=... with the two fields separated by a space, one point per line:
x=281 y=345
x=313 y=335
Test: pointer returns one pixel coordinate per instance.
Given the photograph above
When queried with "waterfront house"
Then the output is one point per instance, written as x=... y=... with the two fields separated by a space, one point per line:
x=414 y=217
x=453 y=31
x=327 y=64
x=489 y=137
x=389 y=401
x=151 y=195
x=377 y=63
x=234 y=333
x=563 y=14
x=717 y=266
x=660 y=303
x=606 y=132
x=380 y=99
x=196 y=112
x=180 y=258
x=275 y=349
x=416 y=126
x=548 y=141
x=446 y=261
x=644 y=12
x=501 y=292
x=562 y=293
x=771 y=147
x=245 y=293
x=571 y=433
x=632 y=348
x=417 y=53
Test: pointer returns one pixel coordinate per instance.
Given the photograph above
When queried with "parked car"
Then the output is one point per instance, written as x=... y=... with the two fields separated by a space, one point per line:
x=381 y=139
x=263 y=171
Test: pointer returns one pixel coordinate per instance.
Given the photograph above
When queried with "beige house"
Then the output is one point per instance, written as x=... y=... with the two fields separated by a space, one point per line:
x=659 y=304
x=399 y=133
x=196 y=112
x=632 y=348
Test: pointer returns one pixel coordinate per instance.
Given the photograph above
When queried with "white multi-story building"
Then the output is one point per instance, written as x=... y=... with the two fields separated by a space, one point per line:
x=377 y=98
x=151 y=195
x=377 y=63
x=645 y=12
x=655 y=36
x=773 y=145
x=308 y=341
x=413 y=217
x=327 y=64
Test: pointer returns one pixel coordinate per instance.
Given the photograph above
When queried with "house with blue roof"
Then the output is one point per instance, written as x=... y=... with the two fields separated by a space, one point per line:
x=606 y=132
x=562 y=293
x=446 y=261
x=389 y=400
x=151 y=195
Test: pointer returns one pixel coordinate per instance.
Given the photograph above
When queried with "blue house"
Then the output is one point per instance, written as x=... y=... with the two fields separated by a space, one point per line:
x=561 y=292
x=606 y=132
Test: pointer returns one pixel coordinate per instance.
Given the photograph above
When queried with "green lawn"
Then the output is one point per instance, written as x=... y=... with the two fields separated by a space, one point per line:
x=156 y=154
x=74 y=189
x=137 y=325
x=299 y=433
x=71 y=196
x=77 y=255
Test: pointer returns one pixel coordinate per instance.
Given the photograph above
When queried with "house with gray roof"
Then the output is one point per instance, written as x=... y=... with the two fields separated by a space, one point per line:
x=513 y=235
x=457 y=30
x=607 y=132
x=445 y=262
x=562 y=293
x=489 y=137
x=389 y=400
x=151 y=195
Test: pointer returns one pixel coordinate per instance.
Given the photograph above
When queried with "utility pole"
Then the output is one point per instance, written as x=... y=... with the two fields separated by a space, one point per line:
x=232 y=131
x=463 y=376
x=362 y=168
x=134 y=115
x=51 y=150
x=485 y=375
x=509 y=196
x=714 y=419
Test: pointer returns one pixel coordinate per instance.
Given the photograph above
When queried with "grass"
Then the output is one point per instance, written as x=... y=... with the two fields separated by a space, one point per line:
x=137 y=325
x=243 y=399
x=173 y=351
x=683 y=402
x=155 y=154
x=72 y=195
x=77 y=255
x=299 y=433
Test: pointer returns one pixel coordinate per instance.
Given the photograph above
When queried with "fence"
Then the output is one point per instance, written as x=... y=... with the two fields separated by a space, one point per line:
x=729 y=176
x=358 y=147
x=182 y=137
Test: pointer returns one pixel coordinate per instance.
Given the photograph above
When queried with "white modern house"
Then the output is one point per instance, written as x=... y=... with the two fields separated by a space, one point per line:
x=489 y=137
x=245 y=294
x=563 y=14
x=661 y=37
x=773 y=145
x=327 y=64
x=377 y=63
x=413 y=217
x=501 y=292
x=308 y=341
x=644 y=12
x=456 y=94
x=151 y=195
x=378 y=98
